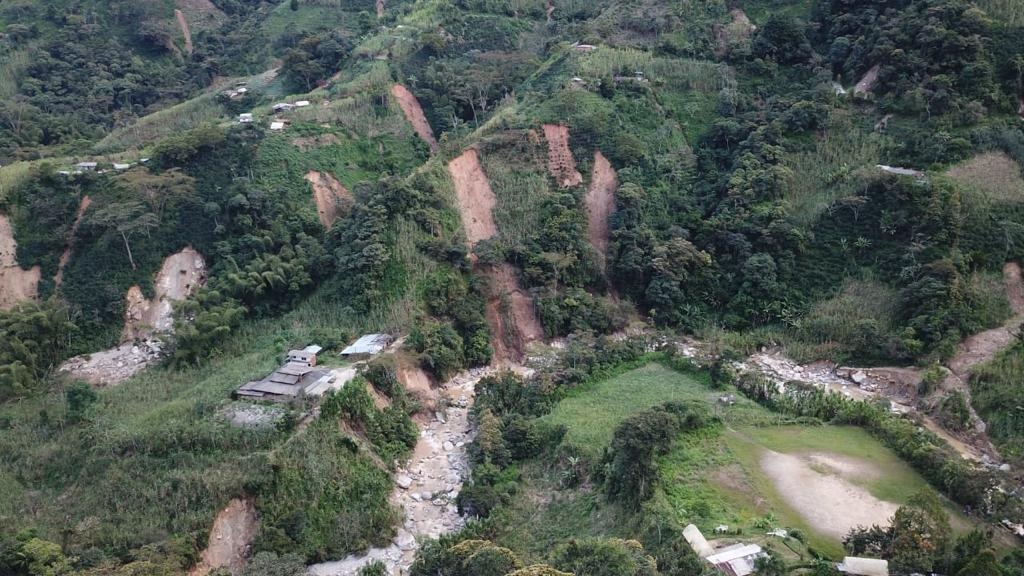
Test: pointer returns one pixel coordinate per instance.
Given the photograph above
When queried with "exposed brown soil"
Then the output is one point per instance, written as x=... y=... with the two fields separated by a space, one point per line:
x=600 y=202
x=414 y=114
x=867 y=83
x=561 y=164
x=380 y=8
x=184 y=30
x=510 y=314
x=332 y=199
x=475 y=197
x=737 y=30
x=230 y=539
x=419 y=387
x=179 y=277
x=83 y=205
x=549 y=9
x=821 y=488
x=307 y=143
x=16 y=285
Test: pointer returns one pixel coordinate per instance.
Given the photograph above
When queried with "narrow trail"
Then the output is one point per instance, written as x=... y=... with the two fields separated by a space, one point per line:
x=600 y=203
x=183 y=23
x=426 y=488
x=561 y=163
x=83 y=205
x=16 y=284
x=380 y=8
x=414 y=113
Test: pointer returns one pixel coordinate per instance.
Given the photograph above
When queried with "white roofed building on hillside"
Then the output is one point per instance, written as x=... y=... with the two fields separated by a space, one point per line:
x=736 y=560
x=368 y=345
x=863 y=567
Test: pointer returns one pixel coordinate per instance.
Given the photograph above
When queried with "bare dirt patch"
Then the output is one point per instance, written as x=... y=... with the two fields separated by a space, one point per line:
x=994 y=173
x=474 y=195
x=825 y=497
x=184 y=30
x=307 y=143
x=419 y=387
x=83 y=205
x=16 y=285
x=1014 y=286
x=414 y=114
x=600 y=202
x=180 y=276
x=868 y=81
x=561 y=164
x=332 y=199
x=510 y=314
x=736 y=31
x=111 y=367
x=380 y=8
x=230 y=539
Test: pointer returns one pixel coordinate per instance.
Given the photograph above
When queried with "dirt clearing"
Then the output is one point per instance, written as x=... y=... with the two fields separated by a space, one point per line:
x=561 y=164
x=180 y=276
x=820 y=488
x=600 y=202
x=230 y=539
x=474 y=195
x=307 y=143
x=184 y=31
x=511 y=315
x=994 y=174
x=83 y=205
x=16 y=285
x=414 y=114
x=868 y=81
x=730 y=35
x=333 y=201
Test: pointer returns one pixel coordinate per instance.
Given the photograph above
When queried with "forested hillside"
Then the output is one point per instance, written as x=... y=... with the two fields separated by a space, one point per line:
x=506 y=184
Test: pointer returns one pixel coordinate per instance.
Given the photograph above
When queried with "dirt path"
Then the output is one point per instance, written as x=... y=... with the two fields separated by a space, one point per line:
x=180 y=276
x=83 y=205
x=475 y=197
x=822 y=489
x=600 y=202
x=184 y=30
x=414 y=114
x=426 y=488
x=561 y=164
x=380 y=8
x=16 y=285
x=230 y=539
x=333 y=201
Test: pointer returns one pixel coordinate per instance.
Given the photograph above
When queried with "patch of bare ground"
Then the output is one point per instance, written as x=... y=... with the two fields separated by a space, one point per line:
x=474 y=195
x=821 y=489
x=185 y=32
x=83 y=205
x=380 y=8
x=230 y=539
x=561 y=164
x=994 y=173
x=16 y=285
x=307 y=143
x=180 y=276
x=737 y=30
x=868 y=81
x=419 y=386
x=414 y=114
x=333 y=201
x=600 y=203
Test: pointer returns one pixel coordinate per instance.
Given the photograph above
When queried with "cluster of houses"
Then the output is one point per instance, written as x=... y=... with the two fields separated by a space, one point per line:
x=299 y=377
x=83 y=167
x=279 y=108
x=740 y=559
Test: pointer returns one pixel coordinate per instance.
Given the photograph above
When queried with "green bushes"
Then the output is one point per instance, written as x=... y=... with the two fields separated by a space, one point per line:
x=390 y=430
x=996 y=391
x=33 y=339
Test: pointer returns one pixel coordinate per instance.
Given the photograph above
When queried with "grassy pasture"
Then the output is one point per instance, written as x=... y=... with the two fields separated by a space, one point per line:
x=993 y=175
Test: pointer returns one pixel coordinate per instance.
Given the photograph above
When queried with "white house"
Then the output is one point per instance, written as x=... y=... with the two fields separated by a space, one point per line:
x=245 y=118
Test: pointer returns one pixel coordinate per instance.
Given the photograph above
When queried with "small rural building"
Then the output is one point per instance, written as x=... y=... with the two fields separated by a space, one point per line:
x=368 y=345
x=86 y=166
x=863 y=566
x=900 y=171
x=283 y=107
x=118 y=166
x=736 y=560
x=305 y=356
x=302 y=103
x=696 y=540
x=277 y=126
x=245 y=118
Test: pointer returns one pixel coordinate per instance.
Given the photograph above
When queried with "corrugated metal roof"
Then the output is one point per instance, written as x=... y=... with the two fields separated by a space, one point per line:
x=368 y=344
x=272 y=388
x=864 y=566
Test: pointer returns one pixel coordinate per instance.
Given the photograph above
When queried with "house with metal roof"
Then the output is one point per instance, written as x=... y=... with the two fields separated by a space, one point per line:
x=736 y=560
x=297 y=378
x=368 y=345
